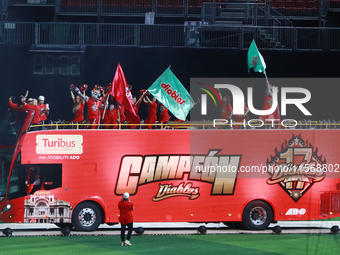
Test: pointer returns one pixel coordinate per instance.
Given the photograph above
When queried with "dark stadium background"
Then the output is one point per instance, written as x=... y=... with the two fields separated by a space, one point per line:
x=142 y=66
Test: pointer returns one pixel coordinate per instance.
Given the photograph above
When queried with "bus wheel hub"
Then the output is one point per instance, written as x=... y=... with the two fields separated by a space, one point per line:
x=258 y=215
x=87 y=216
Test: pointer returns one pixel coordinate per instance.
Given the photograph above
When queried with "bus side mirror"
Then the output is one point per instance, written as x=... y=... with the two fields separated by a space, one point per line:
x=30 y=186
x=29 y=175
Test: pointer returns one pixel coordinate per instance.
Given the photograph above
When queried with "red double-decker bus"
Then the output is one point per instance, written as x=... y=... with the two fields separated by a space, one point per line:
x=67 y=175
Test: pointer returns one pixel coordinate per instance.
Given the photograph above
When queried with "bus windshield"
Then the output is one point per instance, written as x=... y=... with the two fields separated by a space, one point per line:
x=10 y=127
x=6 y=155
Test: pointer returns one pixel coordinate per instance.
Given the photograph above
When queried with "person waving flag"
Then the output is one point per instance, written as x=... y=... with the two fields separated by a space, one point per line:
x=121 y=92
x=171 y=93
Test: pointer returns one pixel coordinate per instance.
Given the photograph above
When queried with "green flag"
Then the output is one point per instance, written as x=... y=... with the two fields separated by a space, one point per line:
x=255 y=59
x=170 y=92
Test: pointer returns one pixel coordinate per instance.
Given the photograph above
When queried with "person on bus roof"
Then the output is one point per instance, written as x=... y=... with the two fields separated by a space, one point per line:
x=34 y=106
x=78 y=107
x=268 y=101
x=44 y=108
x=152 y=106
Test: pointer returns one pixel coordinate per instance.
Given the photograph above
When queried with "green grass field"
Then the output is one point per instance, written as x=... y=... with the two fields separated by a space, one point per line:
x=296 y=244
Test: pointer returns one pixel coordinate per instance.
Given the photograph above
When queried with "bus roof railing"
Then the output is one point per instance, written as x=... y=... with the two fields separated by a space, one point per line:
x=254 y=124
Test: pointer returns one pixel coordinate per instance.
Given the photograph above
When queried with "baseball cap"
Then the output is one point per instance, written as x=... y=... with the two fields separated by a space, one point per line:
x=42 y=98
x=30 y=99
x=126 y=195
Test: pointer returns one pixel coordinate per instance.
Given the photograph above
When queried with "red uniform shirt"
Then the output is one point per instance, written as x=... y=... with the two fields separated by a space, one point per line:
x=267 y=106
x=225 y=111
x=152 y=110
x=125 y=215
x=79 y=114
x=42 y=112
x=93 y=109
x=112 y=111
x=36 y=116
x=164 y=116
x=12 y=105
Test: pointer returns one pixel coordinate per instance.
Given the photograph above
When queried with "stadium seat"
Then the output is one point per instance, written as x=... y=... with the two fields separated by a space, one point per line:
x=170 y=3
x=289 y=5
x=300 y=5
x=313 y=5
x=278 y=4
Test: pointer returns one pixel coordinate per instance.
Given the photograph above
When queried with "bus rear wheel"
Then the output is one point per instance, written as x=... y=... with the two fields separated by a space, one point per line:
x=86 y=217
x=257 y=215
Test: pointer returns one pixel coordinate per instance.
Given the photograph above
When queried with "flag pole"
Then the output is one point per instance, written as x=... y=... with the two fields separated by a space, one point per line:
x=265 y=74
x=146 y=91
x=107 y=98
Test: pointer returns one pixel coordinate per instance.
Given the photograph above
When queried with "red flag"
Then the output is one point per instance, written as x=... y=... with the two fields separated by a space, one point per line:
x=121 y=92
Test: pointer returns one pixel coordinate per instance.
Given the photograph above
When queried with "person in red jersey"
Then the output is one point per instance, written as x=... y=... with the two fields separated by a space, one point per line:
x=164 y=114
x=16 y=105
x=125 y=218
x=137 y=103
x=226 y=110
x=112 y=114
x=268 y=102
x=152 y=106
x=94 y=103
x=36 y=108
x=44 y=108
x=11 y=104
x=78 y=108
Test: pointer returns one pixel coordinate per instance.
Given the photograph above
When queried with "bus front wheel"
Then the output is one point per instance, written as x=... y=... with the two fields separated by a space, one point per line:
x=257 y=215
x=86 y=216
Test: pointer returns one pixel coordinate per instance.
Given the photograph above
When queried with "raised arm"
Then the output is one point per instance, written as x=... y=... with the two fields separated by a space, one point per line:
x=72 y=96
x=267 y=92
x=147 y=100
x=144 y=100
x=246 y=111
x=118 y=112
x=82 y=96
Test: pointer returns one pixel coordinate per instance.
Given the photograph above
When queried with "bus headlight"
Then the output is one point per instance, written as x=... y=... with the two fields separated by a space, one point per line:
x=6 y=208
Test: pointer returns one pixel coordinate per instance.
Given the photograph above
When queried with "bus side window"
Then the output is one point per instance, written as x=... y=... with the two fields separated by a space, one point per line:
x=43 y=176
x=32 y=181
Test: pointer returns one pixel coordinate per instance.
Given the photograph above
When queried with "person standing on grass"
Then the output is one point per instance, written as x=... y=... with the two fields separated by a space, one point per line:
x=125 y=218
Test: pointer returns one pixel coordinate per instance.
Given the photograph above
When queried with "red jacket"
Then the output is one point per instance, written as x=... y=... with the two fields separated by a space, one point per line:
x=36 y=116
x=125 y=208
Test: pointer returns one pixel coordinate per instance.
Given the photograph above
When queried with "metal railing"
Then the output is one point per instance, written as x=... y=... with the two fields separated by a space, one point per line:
x=301 y=9
x=31 y=2
x=141 y=35
x=243 y=13
x=181 y=8
x=248 y=14
x=333 y=5
x=300 y=124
